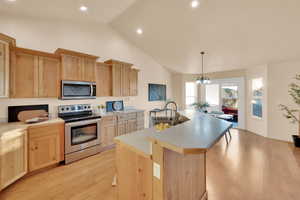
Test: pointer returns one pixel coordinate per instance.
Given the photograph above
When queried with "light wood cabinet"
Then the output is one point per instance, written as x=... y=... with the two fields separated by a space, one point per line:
x=45 y=145
x=131 y=126
x=34 y=74
x=104 y=80
x=77 y=66
x=134 y=82
x=125 y=79
x=24 y=75
x=13 y=157
x=89 y=70
x=108 y=130
x=121 y=73
x=6 y=43
x=122 y=128
x=71 y=68
x=117 y=80
x=49 y=77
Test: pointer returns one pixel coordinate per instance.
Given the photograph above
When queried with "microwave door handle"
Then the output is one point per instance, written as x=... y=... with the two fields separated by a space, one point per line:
x=92 y=90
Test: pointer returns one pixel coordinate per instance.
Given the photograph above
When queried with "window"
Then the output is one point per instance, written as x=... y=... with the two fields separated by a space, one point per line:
x=190 y=93
x=212 y=96
x=257 y=95
x=230 y=96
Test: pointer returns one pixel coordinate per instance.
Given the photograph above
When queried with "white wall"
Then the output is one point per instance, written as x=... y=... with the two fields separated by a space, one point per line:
x=96 y=39
x=280 y=75
x=253 y=124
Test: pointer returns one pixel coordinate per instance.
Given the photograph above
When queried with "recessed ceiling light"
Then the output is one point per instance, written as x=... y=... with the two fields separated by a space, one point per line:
x=195 y=3
x=139 y=31
x=11 y=0
x=83 y=8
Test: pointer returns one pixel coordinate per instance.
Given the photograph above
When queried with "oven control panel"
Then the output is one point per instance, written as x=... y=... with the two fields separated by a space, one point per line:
x=74 y=108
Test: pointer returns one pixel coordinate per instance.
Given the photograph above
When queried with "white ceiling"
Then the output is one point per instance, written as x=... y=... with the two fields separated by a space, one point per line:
x=234 y=33
x=103 y=11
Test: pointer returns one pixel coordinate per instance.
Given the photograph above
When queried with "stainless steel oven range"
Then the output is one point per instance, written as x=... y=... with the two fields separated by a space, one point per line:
x=82 y=131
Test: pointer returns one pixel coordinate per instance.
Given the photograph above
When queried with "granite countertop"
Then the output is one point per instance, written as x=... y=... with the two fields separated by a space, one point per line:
x=198 y=134
x=20 y=126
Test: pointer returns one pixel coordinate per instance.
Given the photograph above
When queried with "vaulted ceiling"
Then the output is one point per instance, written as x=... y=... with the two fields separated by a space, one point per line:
x=234 y=33
x=103 y=11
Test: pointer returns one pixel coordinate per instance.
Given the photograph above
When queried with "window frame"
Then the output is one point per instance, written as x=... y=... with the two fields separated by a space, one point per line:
x=255 y=97
x=185 y=94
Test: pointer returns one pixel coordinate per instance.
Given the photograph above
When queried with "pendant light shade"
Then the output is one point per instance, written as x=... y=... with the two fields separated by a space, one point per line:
x=202 y=79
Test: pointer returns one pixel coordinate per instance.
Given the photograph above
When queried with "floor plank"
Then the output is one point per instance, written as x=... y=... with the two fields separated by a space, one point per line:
x=250 y=167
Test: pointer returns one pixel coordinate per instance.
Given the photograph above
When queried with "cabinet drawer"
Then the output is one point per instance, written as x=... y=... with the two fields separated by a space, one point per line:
x=40 y=131
x=131 y=116
x=122 y=117
x=109 y=120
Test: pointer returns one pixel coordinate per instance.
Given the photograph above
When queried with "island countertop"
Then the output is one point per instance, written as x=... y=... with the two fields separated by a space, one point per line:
x=198 y=134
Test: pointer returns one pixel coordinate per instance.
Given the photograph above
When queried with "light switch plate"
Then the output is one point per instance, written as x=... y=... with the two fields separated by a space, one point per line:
x=156 y=170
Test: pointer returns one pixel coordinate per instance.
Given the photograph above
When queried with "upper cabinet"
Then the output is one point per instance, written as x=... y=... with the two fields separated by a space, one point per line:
x=6 y=43
x=34 y=74
x=103 y=80
x=124 y=79
x=77 y=66
x=134 y=82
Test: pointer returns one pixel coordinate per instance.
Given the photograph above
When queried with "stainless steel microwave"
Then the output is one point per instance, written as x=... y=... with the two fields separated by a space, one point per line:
x=78 y=90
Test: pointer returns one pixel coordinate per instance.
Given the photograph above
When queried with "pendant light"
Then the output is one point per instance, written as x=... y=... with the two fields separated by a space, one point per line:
x=202 y=79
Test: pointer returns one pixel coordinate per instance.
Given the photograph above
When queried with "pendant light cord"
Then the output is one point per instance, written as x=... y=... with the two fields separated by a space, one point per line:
x=202 y=54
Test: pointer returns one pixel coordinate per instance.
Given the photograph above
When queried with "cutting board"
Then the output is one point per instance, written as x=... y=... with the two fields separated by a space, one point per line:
x=29 y=114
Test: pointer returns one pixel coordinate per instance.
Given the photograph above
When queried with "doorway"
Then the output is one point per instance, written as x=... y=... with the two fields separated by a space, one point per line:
x=226 y=98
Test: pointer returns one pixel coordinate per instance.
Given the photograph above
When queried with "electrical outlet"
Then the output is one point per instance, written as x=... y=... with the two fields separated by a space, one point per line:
x=156 y=170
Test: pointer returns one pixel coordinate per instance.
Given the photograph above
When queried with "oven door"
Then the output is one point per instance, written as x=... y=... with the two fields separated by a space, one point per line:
x=78 y=90
x=81 y=135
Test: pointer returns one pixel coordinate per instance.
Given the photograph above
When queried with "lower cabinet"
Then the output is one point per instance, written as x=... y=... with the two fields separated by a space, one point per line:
x=45 y=146
x=13 y=157
x=108 y=131
x=122 y=128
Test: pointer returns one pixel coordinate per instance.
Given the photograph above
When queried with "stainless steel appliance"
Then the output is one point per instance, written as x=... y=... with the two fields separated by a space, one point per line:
x=82 y=131
x=78 y=90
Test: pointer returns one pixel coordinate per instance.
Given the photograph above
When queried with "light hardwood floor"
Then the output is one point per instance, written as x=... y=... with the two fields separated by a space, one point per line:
x=249 y=168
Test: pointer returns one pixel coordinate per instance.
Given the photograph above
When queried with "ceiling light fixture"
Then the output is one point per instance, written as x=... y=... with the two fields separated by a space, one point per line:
x=202 y=79
x=11 y=0
x=83 y=8
x=139 y=31
x=195 y=3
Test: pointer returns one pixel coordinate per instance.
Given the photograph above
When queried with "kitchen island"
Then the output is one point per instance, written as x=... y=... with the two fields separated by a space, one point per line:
x=168 y=164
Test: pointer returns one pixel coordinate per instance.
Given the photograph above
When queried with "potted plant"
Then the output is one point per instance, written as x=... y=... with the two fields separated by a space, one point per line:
x=201 y=106
x=293 y=114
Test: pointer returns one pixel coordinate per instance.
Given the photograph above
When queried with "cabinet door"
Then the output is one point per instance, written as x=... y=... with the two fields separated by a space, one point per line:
x=133 y=82
x=24 y=75
x=4 y=68
x=104 y=80
x=72 y=68
x=131 y=126
x=44 y=147
x=122 y=128
x=13 y=157
x=108 y=133
x=117 y=83
x=49 y=77
x=89 y=68
x=125 y=80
